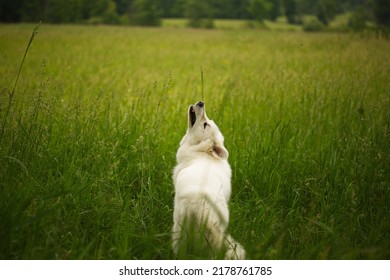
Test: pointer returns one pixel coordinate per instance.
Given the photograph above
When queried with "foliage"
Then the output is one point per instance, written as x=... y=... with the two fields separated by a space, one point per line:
x=357 y=21
x=199 y=14
x=327 y=10
x=382 y=12
x=149 y=12
x=110 y=16
x=63 y=11
x=291 y=11
x=145 y=13
x=313 y=25
x=276 y=9
x=260 y=9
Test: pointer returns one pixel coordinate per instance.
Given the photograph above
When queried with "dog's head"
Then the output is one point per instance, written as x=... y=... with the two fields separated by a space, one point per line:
x=202 y=129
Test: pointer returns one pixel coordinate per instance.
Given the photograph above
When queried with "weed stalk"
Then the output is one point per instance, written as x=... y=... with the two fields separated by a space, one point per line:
x=12 y=93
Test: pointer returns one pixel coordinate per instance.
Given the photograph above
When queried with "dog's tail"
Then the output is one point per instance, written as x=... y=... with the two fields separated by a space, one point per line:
x=234 y=251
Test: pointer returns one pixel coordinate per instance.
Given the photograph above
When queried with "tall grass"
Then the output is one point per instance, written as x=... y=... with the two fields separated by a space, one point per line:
x=89 y=142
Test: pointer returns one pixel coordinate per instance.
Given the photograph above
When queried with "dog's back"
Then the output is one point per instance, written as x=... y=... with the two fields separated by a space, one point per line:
x=202 y=189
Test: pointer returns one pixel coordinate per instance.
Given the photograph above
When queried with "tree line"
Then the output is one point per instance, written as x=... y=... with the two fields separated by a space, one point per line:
x=200 y=13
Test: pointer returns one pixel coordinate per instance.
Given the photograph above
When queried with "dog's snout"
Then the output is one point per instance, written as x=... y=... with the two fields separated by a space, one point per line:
x=200 y=104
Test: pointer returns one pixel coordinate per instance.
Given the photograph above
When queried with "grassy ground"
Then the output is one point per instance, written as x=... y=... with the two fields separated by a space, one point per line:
x=88 y=142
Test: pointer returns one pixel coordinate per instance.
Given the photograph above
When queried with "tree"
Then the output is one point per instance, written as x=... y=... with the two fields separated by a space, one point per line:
x=122 y=6
x=199 y=14
x=10 y=10
x=240 y=8
x=94 y=8
x=290 y=8
x=110 y=15
x=167 y=7
x=326 y=10
x=259 y=9
x=63 y=11
x=382 y=12
x=33 y=11
x=178 y=8
x=222 y=8
x=357 y=21
x=145 y=12
x=275 y=10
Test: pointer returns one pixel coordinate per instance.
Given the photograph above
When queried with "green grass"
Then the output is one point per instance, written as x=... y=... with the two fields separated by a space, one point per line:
x=89 y=143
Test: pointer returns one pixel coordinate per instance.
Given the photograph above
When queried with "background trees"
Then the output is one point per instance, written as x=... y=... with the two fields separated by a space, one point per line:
x=260 y=9
x=200 y=13
x=327 y=10
x=382 y=12
x=145 y=12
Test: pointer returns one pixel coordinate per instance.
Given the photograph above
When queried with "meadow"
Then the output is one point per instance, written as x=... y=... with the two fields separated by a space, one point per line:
x=90 y=130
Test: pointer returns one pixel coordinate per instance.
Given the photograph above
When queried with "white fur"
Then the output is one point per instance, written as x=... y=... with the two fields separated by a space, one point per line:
x=202 y=184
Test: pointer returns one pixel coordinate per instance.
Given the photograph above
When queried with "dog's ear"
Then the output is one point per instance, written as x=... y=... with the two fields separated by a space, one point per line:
x=219 y=151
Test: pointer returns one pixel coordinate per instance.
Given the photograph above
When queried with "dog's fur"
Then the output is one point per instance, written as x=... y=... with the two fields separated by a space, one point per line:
x=202 y=188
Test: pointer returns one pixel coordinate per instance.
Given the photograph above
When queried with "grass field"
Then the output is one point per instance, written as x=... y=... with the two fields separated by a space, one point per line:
x=89 y=136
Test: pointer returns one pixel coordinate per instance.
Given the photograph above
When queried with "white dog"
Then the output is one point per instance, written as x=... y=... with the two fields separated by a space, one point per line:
x=202 y=189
